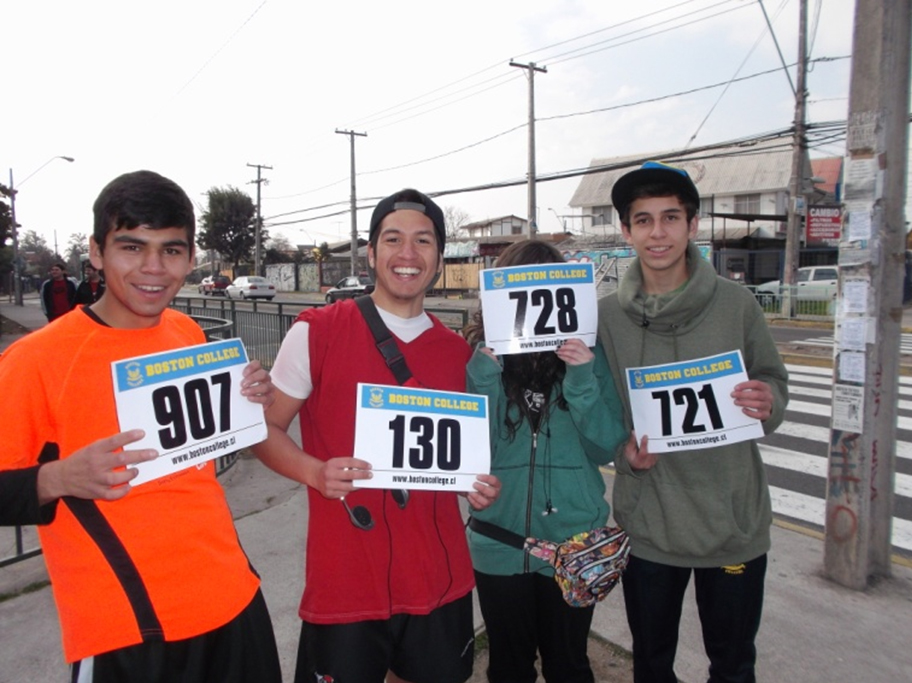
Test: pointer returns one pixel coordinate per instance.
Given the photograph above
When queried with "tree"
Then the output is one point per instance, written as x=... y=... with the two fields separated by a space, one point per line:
x=321 y=253
x=6 y=218
x=227 y=226
x=454 y=218
x=76 y=247
x=279 y=250
x=6 y=233
x=36 y=254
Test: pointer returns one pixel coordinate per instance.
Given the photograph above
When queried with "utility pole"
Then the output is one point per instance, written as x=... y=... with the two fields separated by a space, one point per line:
x=862 y=458
x=258 y=248
x=800 y=172
x=354 y=209
x=14 y=227
x=531 y=68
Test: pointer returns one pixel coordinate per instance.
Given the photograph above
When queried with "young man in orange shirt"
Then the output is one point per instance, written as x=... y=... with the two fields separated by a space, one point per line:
x=151 y=584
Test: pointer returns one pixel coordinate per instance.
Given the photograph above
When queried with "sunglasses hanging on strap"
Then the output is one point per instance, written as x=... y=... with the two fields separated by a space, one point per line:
x=395 y=361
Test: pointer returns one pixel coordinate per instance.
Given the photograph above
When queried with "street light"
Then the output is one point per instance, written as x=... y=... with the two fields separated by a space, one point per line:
x=17 y=275
x=561 y=220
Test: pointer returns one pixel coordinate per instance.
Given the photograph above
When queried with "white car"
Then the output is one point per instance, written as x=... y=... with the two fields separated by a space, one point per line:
x=815 y=283
x=250 y=287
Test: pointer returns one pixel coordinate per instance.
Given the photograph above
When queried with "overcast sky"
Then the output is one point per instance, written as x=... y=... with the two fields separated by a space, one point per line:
x=199 y=89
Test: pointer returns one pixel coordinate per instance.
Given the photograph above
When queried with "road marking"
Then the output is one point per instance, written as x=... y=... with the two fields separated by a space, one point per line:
x=813 y=510
x=822 y=434
x=817 y=465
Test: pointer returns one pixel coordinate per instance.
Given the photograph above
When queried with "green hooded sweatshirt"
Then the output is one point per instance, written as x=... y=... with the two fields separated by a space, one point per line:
x=708 y=507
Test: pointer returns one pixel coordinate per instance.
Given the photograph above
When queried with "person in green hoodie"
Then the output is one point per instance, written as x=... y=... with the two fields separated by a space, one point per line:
x=555 y=417
x=704 y=512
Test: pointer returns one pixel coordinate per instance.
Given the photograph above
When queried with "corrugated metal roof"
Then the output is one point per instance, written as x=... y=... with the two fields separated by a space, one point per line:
x=761 y=167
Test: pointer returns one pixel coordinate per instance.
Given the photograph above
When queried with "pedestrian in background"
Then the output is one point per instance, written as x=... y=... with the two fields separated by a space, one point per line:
x=58 y=293
x=704 y=511
x=555 y=418
x=92 y=286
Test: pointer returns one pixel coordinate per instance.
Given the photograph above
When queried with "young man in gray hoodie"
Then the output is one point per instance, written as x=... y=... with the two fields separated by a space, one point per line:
x=704 y=511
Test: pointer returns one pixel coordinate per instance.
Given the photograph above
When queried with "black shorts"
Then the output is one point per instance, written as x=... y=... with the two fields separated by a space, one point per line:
x=435 y=648
x=241 y=651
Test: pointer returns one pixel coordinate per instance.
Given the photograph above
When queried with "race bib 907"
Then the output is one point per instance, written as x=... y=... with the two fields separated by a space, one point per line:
x=188 y=402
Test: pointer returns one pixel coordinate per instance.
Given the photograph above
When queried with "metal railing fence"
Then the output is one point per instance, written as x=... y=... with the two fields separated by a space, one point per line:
x=808 y=302
x=262 y=325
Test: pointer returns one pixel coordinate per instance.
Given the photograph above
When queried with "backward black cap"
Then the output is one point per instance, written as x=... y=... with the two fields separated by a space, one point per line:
x=415 y=201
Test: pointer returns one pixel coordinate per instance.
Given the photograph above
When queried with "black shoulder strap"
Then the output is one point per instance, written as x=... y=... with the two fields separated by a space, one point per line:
x=385 y=342
x=498 y=533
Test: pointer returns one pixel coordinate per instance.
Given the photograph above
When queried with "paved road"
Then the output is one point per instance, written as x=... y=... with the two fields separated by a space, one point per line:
x=826 y=340
x=796 y=455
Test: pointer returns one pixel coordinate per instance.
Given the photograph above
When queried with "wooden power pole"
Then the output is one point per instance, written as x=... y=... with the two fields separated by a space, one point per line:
x=800 y=172
x=532 y=209
x=862 y=458
x=354 y=196
x=258 y=229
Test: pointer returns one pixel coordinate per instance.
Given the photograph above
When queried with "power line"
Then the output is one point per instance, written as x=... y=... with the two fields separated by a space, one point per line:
x=498 y=81
x=219 y=50
x=698 y=153
x=555 y=117
x=741 y=66
x=572 y=54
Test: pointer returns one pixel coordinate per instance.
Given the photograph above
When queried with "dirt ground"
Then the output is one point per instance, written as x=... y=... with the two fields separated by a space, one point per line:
x=610 y=663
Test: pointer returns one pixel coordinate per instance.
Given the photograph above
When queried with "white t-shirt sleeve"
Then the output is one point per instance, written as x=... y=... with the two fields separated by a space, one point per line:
x=291 y=371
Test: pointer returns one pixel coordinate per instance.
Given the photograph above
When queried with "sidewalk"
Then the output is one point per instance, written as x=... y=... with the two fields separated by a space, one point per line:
x=813 y=631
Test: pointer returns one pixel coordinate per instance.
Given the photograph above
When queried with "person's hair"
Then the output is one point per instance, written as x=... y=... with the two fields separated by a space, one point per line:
x=540 y=371
x=60 y=265
x=658 y=190
x=142 y=198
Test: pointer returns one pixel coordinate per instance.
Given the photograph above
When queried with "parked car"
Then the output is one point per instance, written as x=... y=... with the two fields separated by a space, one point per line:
x=350 y=287
x=815 y=283
x=250 y=287
x=213 y=285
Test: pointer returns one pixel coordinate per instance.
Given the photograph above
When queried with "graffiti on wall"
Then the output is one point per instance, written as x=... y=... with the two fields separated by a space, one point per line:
x=282 y=275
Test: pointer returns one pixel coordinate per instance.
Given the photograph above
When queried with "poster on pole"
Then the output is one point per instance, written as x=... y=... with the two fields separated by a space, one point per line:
x=538 y=307
x=189 y=403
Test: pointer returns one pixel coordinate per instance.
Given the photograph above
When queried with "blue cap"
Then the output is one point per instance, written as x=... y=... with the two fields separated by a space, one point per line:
x=652 y=173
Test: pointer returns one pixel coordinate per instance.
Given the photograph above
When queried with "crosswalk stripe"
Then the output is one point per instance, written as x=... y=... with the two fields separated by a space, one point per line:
x=817 y=466
x=824 y=410
x=804 y=371
x=811 y=392
x=822 y=435
x=905 y=342
x=813 y=510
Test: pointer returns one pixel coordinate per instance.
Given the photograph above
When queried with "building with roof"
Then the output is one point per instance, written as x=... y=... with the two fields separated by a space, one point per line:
x=744 y=198
x=497 y=227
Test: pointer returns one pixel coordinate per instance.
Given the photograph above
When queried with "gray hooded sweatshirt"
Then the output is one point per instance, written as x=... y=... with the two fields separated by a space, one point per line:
x=708 y=507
